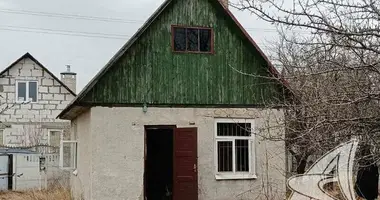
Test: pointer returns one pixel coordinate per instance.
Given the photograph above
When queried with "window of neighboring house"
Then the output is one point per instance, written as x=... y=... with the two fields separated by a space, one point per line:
x=234 y=149
x=26 y=91
x=1 y=137
x=54 y=138
x=192 y=39
x=68 y=152
x=66 y=148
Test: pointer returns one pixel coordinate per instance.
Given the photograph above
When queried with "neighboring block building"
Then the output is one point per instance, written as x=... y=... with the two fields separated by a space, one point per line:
x=31 y=98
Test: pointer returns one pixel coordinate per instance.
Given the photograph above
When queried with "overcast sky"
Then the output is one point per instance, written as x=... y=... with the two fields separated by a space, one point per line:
x=84 y=33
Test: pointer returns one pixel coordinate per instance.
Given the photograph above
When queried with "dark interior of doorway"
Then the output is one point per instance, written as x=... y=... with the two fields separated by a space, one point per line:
x=159 y=164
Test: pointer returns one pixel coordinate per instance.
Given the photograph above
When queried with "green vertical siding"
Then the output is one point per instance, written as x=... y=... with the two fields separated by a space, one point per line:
x=149 y=72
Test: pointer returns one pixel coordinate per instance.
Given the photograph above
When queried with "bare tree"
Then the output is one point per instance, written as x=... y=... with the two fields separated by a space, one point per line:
x=333 y=72
x=32 y=134
x=335 y=100
x=350 y=24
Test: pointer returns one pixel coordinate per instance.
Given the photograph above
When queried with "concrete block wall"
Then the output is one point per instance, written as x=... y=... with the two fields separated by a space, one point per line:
x=32 y=178
x=52 y=98
x=24 y=135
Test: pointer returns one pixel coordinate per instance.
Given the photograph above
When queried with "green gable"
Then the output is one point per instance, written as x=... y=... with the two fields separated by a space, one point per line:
x=148 y=71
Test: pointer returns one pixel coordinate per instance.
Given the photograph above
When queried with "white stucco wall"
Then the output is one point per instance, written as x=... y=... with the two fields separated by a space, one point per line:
x=82 y=182
x=116 y=146
x=52 y=99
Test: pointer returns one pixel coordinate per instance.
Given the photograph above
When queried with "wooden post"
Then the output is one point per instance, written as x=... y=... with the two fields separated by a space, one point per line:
x=10 y=172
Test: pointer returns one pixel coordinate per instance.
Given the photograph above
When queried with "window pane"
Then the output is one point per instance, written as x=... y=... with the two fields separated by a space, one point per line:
x=21 y=90
x=225 y=156
x=234 y=129
x=192 y=39
x=1 y=137
x=179 y=39
x=55 y=138
x=33 y=91
x=242 y=159
x=69 y=154
x=205 y=40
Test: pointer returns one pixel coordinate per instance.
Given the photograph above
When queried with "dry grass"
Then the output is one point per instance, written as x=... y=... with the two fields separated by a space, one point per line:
x=53 y=193
x=334 y=190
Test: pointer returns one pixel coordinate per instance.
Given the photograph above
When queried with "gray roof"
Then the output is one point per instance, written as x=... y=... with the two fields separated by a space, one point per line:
x=4 y=150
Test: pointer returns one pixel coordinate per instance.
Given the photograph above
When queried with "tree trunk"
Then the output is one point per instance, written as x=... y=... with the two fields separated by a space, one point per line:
x=301 y=167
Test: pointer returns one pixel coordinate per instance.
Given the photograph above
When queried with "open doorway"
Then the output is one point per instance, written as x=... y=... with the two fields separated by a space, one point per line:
x=159 y=163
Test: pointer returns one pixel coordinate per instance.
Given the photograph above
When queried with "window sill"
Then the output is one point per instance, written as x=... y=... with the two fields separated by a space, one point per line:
x=193 y=52
x=67 y=168
x=235 y=176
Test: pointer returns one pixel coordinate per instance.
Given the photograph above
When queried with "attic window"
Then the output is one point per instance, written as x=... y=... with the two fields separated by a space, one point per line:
x=192 y=39
x=26 y=91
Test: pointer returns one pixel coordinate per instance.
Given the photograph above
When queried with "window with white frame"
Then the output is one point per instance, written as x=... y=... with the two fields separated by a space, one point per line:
x=26 y=91
x=68 y=154
x=67 y=148
x=234 y=149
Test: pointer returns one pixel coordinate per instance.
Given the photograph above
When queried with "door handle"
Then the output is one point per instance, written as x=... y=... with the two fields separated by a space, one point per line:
x=195 y=168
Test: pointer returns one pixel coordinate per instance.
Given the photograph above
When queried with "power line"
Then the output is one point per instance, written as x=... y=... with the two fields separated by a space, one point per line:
x=115 y=20
x=79 y=33
x=60 y=33
x=70 y=32
x=275 y=30
x=69 y=16
x=262 y=45
x=65 y=32
x=82 y=34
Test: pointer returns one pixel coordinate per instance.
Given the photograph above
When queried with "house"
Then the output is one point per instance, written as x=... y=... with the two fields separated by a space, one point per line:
x=31 y=98
x=180 y=112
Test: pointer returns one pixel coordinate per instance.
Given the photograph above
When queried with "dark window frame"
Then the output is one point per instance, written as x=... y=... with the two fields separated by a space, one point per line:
x=212 y=51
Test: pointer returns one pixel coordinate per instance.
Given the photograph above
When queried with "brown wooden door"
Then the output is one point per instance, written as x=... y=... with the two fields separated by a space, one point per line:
x=185 y=183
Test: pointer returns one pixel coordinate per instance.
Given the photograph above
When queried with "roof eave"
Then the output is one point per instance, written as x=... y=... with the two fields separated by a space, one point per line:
x=130 y=42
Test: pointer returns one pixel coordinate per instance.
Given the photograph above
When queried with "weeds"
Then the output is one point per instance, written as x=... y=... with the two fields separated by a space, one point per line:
x=52 y=193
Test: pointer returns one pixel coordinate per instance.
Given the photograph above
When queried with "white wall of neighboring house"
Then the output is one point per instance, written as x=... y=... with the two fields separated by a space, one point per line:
x=22 y=122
